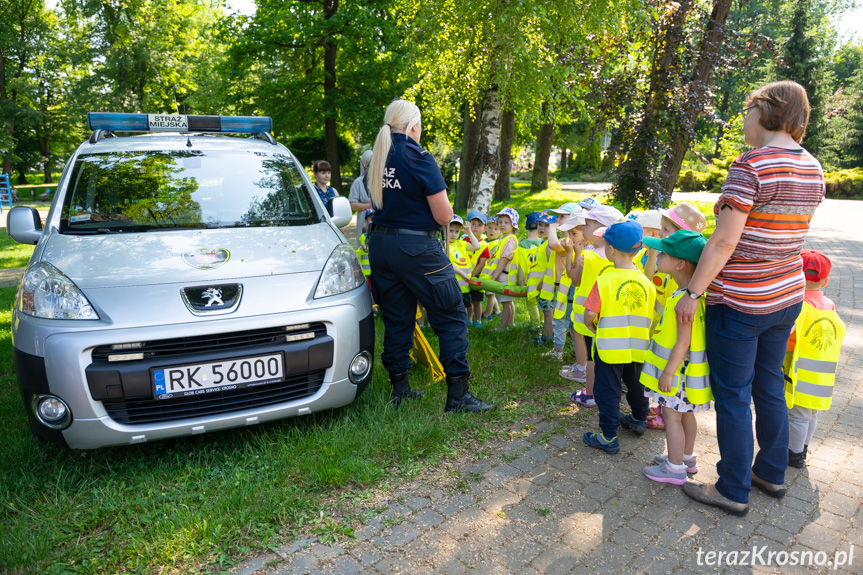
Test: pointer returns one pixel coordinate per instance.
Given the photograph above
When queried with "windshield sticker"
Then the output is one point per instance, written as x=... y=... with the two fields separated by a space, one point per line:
x=79 y=218
x=206 y=259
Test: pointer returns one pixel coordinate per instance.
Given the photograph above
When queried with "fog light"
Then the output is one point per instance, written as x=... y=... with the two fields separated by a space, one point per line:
x=360 y=367
x=52 y=411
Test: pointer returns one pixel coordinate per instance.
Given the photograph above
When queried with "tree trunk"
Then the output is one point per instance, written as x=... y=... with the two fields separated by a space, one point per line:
x=563 y=160
x=469 y=143
x=487 y=160
x=507 y=134
x=636 y=179
x=331 y=133
x=539 y=180
x=696 y=95
x=723 y=109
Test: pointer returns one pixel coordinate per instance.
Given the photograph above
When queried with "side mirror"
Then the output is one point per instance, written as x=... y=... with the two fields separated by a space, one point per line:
x=340 y=210
x=25 y=226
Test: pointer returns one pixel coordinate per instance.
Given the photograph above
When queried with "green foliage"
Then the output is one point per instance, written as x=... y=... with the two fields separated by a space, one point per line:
x=589 y=158
x=311 y=146
x=845 y=183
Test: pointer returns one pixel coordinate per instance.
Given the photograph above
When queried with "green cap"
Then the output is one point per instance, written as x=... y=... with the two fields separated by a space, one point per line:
x=683 y=244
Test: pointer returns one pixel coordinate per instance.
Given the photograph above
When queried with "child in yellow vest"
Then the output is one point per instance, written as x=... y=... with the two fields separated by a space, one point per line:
x=675 y=372
x=546 y=289
x=681 y=216
x=492 y=308
x=529 y=247
x=813 y=352
x=476 y=221
x=363 y=253
x=459 y=255
x=507 y=222
x=592 y=264
x=571 y=216
x=619 y=311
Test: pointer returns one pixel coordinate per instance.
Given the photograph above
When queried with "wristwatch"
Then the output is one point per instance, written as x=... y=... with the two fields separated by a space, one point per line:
x=691 y=294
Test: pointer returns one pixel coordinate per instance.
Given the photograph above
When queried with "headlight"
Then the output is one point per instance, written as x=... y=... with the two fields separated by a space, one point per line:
x=46 y=292
x=342 y=273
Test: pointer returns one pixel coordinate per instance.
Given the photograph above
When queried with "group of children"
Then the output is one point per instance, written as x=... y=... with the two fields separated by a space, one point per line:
x=612 y=283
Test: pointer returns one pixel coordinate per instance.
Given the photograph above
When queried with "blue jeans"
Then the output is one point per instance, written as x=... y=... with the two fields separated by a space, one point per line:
x=563 y=325
x=745 y=353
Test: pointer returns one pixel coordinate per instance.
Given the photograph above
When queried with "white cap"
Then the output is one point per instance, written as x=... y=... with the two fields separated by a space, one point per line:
x=650 y=219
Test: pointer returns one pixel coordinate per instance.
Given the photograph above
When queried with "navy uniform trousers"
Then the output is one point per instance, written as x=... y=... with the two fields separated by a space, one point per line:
x=410 y=268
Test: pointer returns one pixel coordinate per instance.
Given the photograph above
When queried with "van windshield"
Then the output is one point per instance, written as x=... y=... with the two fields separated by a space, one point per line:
x=143 y=191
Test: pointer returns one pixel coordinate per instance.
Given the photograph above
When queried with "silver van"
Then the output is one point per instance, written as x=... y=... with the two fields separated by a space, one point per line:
x=185 y=281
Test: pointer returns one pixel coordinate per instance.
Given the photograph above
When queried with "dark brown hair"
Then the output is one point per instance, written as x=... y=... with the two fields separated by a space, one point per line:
x=784 y=107
x=321 y=166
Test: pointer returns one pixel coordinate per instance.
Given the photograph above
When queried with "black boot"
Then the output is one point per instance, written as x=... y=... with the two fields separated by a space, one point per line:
x=402 y=389
x=458 y=398
x=797 y=460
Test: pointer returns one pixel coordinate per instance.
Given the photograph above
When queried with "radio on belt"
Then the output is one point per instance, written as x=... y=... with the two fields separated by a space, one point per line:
x=119 y=122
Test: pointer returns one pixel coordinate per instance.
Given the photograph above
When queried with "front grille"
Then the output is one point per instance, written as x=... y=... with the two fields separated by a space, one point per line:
x=149 y=410
x=210 y=342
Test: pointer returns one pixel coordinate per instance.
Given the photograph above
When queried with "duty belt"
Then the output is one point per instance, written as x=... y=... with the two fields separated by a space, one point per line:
x=403 y=231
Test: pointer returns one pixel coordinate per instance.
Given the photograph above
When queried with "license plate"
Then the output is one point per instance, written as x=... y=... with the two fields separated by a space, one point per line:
x=203 y=378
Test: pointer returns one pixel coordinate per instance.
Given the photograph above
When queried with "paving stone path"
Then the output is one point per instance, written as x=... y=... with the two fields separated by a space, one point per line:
x=549 y=504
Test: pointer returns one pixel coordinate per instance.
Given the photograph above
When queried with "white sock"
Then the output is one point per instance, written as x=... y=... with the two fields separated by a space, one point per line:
x=581 y=367
x=688 y=457
x=674 y=467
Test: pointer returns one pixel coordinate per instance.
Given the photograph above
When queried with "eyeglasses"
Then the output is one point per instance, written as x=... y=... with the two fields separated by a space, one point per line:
x=747 y=108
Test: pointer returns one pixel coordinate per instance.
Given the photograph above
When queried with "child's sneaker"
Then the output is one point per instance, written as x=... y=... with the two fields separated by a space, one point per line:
x=542 y=340
x=691 y=465
x=655 y=422
x=553 y=355
x=477 y=323
x=634 y=425
x=663 y=474
x=598 y=441
x=574 y=373
x=583 y=399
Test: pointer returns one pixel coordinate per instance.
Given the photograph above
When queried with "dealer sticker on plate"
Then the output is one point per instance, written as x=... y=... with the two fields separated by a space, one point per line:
x=202 y=378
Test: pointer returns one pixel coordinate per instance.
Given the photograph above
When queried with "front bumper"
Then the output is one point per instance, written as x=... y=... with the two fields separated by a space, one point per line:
x=113 y=404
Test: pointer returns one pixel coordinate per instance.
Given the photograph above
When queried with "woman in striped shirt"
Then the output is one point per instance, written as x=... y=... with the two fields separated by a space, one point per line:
x=752 y=274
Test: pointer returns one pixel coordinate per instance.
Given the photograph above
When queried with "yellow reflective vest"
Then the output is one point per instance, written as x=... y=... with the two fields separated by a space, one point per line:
x=538 y=259
x=495 y=259
x=594 y=266
x=490 y=263
x=364 y=257
x=811 y=370
x=696 y=376
x=658 y=280
x=551 y=280
x=562 y=299
x=460 y=258
x=623 y=327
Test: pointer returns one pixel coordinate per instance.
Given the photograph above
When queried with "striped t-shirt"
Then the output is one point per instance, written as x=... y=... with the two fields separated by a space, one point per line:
x=779 y=189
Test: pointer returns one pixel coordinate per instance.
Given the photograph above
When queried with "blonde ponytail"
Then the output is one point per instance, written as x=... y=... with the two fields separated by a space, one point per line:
x=401 y=115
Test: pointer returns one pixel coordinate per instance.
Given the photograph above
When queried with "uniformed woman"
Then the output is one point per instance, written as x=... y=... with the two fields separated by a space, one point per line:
x=407 y=259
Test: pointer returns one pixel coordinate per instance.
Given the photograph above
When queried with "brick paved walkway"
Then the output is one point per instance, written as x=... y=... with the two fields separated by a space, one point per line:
x=553 y=505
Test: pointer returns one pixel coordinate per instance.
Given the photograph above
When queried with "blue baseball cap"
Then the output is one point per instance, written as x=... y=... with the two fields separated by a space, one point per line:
x=545 y=218
x=476 y=215
x=531 y=220
x=624 y=236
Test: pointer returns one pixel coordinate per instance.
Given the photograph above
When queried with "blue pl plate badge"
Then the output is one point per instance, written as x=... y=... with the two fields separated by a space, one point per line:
x=206 y=259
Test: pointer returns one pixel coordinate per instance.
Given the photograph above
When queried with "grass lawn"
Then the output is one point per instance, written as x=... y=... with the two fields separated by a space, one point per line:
x=202 y=503
x=13 y=254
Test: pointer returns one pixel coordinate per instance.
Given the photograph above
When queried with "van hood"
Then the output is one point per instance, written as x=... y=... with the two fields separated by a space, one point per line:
x=189 y=256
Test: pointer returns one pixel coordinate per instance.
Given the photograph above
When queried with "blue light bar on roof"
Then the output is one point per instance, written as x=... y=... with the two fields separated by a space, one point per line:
x=118 y=122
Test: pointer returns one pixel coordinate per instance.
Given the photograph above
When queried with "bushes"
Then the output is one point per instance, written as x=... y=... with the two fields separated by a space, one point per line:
x=709 y=181
x=845 y=183
x=840 y=184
